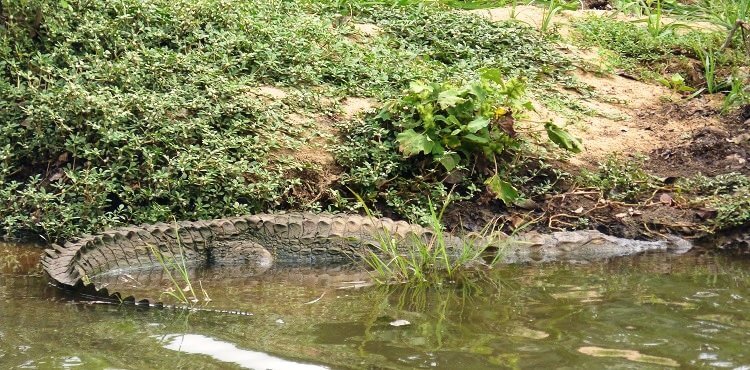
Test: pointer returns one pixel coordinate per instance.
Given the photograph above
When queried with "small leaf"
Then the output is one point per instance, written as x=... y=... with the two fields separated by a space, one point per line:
x=500 y=111
x=453 y=120
x=476 y=139
x=450 y=98
x=411 y=143
x=418 y=87
x=502 y=189
x=449 y=161
x=562 y=138
x=477 y=124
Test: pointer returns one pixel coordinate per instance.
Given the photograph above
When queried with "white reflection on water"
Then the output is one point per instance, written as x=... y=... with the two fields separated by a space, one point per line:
x=228 y=352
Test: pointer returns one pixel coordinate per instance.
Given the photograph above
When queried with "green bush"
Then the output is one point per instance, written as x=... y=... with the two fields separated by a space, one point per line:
x=135 y=111
x=442 y=135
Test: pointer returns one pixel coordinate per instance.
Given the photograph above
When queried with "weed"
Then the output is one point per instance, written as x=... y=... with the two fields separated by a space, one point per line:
x=432 y=260
x=468 y=126
x=547 y=14
x=620 y=179
x=708 y=58
x=182 y=287
x=738 y=94
x=726 y=195
x=676 y=83
x=654 y=19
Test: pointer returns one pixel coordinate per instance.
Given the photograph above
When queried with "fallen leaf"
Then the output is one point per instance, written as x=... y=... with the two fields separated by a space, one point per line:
x=628 y=355
x=400 y=323
x=578 y=210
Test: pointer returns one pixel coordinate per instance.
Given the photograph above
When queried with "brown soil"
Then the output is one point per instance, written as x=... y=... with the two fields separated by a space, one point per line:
x=628 y=118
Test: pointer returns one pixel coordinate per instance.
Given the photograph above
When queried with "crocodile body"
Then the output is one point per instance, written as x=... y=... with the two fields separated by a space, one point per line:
x=301 y=239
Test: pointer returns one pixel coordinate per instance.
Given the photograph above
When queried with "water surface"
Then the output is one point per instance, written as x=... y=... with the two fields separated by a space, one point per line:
x=653 y=311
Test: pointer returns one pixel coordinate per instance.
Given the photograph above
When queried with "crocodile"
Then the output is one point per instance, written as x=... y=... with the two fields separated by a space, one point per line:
x=304 y=239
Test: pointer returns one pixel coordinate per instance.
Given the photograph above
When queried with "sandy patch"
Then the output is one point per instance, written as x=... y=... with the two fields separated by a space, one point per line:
x=367 y=29
x=352 y=106
x=271 y=92
x=534 y=16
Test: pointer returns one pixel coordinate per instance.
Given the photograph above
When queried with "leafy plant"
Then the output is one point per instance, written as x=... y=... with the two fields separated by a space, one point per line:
x=654 y=19
x=552 y=8
x=726 y=195
x=709 y=59
x=676 y=82
x=468 y=126
x=738 y=94
x=620 y=179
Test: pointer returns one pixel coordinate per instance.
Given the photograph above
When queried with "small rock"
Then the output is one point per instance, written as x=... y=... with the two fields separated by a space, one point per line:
x=666 y=199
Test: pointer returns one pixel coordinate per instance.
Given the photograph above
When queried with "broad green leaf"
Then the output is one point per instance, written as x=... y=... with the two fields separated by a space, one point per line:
x=419 y=87
x=450 y=98
x=476 y=139
x=452 y=142
x=479 y=91
x=411 y=143
x=477 y=124
x=491 y=74
x=562 y=138
x=449 y=161
x=514 y=89
x=437 y=149
x=453 y=120
x=502 y=189
x=426 y=113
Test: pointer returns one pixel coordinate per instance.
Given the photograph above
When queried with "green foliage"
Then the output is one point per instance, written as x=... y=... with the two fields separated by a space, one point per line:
x=738 y=94
x=620 y=179
x=455 y=124
x=708 y=57
x=464 y=42
x=466 y=126
x=562 y=138
x=627 y=39
x=635 y=42
x=132 y=111
x=676 y=82
x=726 y=194
x=655 y=24
x=380 y=174
x=552 y=8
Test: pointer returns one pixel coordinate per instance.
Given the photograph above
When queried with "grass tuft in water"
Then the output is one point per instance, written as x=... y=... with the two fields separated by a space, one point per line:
x=421 y=260
x=182 y=287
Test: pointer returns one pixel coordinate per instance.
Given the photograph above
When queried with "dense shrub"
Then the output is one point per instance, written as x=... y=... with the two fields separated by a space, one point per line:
x=140 y=111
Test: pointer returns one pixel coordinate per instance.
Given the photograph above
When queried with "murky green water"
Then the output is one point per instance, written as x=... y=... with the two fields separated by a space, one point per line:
x=648 y=312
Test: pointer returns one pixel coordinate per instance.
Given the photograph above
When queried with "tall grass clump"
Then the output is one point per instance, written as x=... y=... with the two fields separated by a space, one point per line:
x=176 y=269
x=430 y=259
